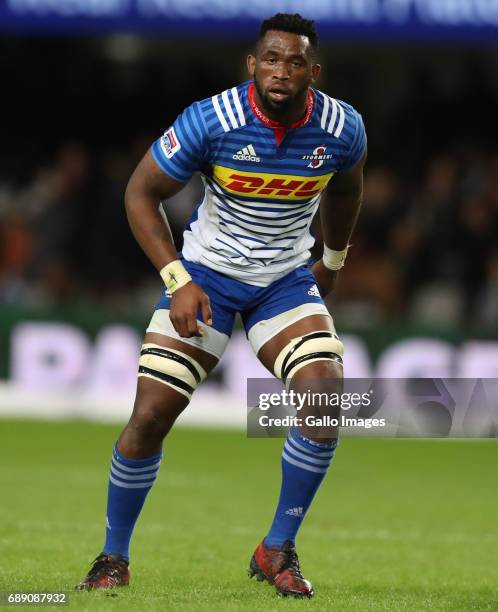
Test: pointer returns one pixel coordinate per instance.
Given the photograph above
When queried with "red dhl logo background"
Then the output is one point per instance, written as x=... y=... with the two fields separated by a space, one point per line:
x=272 y=186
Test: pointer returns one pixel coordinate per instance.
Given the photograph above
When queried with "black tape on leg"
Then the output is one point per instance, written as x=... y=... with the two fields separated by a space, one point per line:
x=321 y=334
x=318 y=355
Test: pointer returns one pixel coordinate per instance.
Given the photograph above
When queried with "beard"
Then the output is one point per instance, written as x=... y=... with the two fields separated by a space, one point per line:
x=282 y=106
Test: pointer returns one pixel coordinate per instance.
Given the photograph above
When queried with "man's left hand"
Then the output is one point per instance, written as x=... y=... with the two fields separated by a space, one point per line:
x=325 y=278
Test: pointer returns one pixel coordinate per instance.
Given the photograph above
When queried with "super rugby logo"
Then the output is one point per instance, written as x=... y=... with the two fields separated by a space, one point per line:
x=318 y=157
x=170 y=143
x=272 y=186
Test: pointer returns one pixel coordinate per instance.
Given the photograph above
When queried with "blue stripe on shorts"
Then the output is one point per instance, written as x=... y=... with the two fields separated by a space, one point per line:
x=229 y=296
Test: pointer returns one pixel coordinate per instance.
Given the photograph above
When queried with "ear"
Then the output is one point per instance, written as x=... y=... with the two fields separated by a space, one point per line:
x=315 y=72
x=251 y=64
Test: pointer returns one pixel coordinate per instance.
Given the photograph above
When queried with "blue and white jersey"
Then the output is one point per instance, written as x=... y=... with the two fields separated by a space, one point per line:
x=263 y=182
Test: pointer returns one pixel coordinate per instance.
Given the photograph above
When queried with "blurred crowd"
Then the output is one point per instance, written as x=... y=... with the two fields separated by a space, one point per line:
x=425 y=248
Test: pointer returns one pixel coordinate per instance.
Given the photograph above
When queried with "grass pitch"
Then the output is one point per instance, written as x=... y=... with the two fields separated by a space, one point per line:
x=397 y=525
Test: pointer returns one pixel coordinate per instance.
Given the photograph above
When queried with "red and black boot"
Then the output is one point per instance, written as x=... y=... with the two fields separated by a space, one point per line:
x=107 y=572
x=280 y=566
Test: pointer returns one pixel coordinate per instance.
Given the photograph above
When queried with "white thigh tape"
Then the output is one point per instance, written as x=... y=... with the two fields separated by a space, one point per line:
x=171 y=367
x=316 y=346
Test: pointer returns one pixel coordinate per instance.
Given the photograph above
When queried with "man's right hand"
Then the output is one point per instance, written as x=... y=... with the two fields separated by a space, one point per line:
x=185 y=304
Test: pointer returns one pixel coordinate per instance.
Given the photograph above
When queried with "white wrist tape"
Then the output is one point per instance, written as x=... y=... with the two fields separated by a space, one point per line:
x=175 y=276
x=334 y=260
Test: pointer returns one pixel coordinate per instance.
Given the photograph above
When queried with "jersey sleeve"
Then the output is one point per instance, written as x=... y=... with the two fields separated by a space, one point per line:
x=358 y=142
x=182 y=149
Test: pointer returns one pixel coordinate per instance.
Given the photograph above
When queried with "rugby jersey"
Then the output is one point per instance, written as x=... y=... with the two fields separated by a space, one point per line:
x=262 y=182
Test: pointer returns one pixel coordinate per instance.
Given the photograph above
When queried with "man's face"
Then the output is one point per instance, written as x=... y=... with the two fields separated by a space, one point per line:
x=283 y=69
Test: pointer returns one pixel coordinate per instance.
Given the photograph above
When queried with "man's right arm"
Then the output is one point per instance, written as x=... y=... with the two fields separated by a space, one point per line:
x=147 y=187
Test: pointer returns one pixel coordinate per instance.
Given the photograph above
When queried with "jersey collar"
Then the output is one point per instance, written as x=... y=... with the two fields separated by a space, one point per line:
x=275 y=124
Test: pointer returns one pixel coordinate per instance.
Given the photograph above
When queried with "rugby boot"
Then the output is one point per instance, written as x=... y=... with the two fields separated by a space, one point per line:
x=280 y=566
x=107 y=572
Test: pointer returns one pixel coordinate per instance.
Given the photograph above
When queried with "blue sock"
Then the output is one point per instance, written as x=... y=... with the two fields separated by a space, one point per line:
x=129 y=482
x=304 y=465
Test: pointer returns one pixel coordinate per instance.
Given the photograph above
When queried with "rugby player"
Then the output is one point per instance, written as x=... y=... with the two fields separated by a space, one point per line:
x=270 y=151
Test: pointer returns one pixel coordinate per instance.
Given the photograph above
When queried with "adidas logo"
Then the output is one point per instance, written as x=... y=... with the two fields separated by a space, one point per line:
x=247 y=154
x=314 y=291
x=298 y=512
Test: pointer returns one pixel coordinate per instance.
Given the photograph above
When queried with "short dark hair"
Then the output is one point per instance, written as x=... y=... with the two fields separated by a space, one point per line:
x=296 y=24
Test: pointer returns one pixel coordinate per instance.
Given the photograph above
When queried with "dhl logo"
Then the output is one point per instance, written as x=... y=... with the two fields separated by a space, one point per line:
x=272 y=186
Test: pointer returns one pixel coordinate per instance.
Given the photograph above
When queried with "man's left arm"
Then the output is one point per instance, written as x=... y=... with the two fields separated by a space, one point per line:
x=339 y=210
